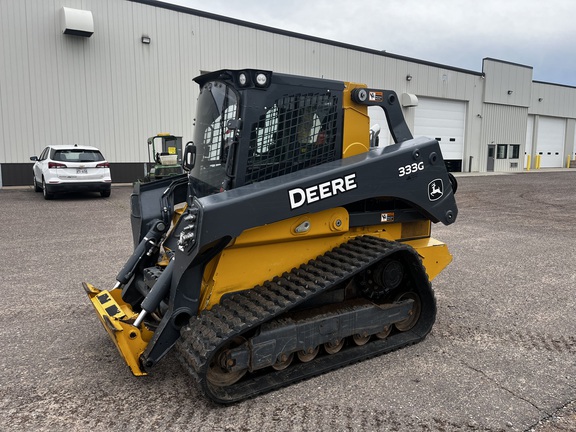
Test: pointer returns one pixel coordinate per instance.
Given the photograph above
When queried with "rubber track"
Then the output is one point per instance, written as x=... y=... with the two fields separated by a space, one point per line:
x=246 y=310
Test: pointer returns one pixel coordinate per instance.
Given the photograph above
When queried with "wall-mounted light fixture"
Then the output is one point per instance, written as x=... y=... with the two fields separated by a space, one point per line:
x=510 y=92
x=408 y=77
x=540 y=99
x=479 y=115
x=146 y=40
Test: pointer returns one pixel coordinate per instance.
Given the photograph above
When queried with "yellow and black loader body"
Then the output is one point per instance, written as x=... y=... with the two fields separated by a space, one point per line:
x=291 y=247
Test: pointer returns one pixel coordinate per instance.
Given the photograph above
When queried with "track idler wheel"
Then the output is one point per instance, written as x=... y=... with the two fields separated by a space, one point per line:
x=411 y=321
x=220 y=373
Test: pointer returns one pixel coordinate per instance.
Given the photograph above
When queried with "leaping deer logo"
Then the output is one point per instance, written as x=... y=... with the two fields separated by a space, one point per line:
x=435 y=189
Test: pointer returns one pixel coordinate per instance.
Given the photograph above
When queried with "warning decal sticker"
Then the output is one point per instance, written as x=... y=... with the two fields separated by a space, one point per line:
x=375 y=96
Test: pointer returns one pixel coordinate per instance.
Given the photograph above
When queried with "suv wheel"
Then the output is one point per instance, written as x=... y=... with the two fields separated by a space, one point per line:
x=47 y=195
x=105 y=193
x=35 y=183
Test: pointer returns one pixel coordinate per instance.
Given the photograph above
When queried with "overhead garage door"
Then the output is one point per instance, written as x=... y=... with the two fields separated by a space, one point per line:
x=443 y=120
x=550 y=142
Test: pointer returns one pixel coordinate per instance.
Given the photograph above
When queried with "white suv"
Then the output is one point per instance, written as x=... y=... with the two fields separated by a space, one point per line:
x=67 y=168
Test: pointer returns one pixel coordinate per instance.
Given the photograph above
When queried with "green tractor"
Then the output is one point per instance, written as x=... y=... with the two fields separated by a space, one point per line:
x=164 y=157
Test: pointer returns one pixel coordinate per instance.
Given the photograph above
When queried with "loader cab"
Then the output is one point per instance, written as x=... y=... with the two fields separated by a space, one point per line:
x=164 y=156
x=255 y=125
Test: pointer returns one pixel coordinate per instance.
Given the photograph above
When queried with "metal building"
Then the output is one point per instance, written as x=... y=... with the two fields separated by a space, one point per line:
x=111 y=73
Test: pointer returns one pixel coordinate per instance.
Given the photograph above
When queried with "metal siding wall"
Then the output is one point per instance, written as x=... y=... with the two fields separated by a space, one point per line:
x=502 y=77
x=169 y=75
x=44 y=119
x=248 y=48
x=295 y=52
x=557 y=101
x=148 y=91
x=190 y=46
x=113 y=92
x=571 y=141
x=529 y=142
x=71 y=54
x=99 y=85
x=504 y=125
x=327 y=58
x=123 y=99
x=281 y=53
x=15 y=103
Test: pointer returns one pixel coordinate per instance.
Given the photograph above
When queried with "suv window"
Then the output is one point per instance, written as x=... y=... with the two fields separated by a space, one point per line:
x=77 y=155
x=44 y=154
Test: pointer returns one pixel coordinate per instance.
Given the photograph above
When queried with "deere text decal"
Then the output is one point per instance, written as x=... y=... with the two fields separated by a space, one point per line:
x=299 y=196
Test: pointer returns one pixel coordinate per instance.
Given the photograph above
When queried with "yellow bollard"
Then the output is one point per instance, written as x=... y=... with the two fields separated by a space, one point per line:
x=568 y=161
x=537 y=162
x=528 y=162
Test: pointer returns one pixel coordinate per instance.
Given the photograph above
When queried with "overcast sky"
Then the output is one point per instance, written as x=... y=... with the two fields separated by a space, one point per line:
x=458 y=33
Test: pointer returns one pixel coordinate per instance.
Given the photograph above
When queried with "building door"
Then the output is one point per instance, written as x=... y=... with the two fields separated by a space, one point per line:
x=443 y=120
x=491 y=154
x=550 y=142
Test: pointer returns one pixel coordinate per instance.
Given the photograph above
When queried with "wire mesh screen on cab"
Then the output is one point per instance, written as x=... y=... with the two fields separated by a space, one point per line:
x=298 y=131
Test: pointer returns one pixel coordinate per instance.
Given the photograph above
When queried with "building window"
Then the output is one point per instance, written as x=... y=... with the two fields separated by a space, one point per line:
x=502 y=151
x=514 y=151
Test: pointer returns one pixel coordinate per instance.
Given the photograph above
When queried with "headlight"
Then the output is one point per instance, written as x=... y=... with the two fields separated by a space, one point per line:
x=242 y=79
x=261 y=79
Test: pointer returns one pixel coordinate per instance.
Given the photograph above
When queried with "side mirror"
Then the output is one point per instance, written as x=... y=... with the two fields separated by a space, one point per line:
x=34 y=158
x=189 y=159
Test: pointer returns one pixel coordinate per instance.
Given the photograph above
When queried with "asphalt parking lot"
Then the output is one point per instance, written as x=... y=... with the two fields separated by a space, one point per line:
x=501 y=356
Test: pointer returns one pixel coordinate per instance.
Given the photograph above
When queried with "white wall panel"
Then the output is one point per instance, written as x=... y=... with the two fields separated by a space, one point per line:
x=124 y=99
x=553 y=100
x=99 y=84
x=573 y=155
x=148 y=68
x=189 y=47
x=44 y=121
x=15 y=104
x=502 y=78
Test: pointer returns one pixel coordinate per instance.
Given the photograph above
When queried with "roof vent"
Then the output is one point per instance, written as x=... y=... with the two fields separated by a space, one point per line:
x=77 y=22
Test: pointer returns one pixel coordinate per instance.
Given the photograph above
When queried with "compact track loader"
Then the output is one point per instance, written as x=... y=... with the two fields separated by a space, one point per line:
x=291 y=246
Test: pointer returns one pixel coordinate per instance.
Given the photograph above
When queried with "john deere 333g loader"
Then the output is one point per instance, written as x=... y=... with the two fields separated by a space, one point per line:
x=292 y=245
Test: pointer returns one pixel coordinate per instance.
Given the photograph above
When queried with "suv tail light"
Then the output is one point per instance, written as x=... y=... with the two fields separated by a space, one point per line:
x=103 y=165
x=56 y=165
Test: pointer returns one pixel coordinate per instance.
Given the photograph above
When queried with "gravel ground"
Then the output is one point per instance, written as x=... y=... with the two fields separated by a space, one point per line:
x=501 y=356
